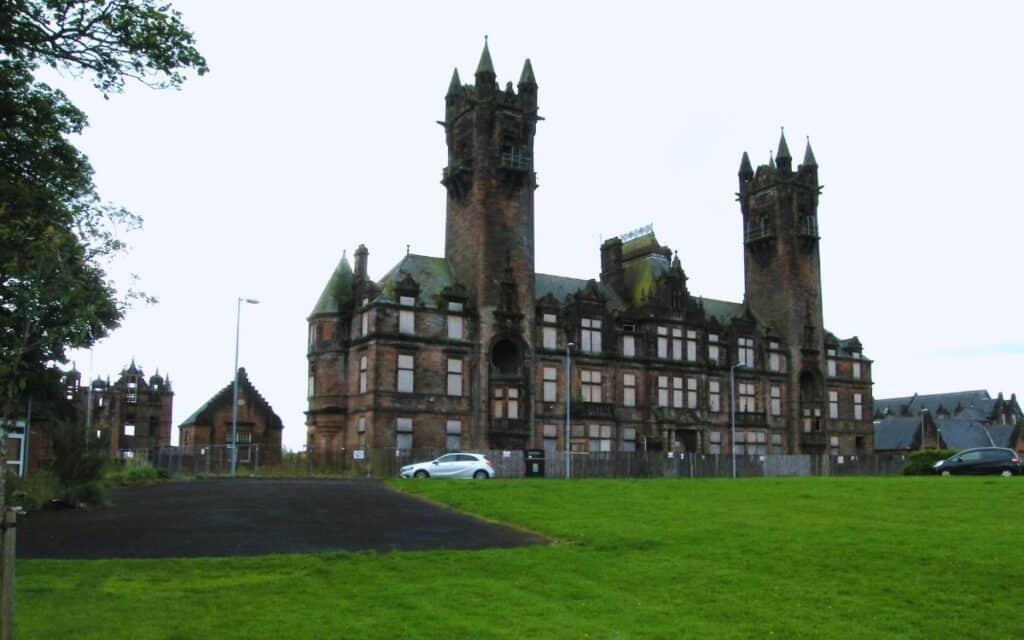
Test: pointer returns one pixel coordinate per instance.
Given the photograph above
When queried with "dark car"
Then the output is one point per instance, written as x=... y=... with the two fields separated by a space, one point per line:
x=980 y=461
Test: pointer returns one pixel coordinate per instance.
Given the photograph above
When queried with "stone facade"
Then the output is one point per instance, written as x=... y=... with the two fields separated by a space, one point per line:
x=257 y=425
x=470 y=350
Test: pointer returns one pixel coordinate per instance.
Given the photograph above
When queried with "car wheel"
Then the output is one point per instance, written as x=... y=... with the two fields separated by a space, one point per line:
x=1006 y=473
x=480 y=475
x=945 y=473
x=421 y=474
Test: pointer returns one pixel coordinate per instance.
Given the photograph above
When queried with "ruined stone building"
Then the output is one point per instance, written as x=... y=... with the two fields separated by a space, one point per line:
x=468 y=350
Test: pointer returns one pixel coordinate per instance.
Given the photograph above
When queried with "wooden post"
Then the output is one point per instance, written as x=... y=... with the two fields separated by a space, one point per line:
x=7 y=576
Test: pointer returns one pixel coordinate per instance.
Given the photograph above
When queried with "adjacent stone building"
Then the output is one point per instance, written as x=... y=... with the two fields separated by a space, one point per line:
x=952 y=420
x=258 y=427
x=134 y=412
x=469 y=350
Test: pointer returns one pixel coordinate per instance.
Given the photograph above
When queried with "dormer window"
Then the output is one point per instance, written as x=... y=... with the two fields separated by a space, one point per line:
x=549 y=331
x=713 y=349
x=831 y=362
x=590 y=335
x=131 y=395
x=745 y=351
x=455 y=320
x=407 y=317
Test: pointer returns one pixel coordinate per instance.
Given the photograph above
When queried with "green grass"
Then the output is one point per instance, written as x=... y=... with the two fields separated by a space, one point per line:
x=764 y=558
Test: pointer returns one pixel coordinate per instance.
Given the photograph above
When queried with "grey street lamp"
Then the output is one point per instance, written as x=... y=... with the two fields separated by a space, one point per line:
x=732 y=412
x=234 y=400
x=924 y=410
x=568 y=387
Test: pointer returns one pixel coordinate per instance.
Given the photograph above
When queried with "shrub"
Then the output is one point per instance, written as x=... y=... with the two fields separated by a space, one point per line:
x=34 y=492
x=921 y=462
x=92 y=494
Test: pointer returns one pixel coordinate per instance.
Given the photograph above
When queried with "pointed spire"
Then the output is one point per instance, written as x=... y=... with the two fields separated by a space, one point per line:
x=809 y=160
x=526 y=78
x=485 y=65
x=455 y=86
x=783 y=148
x=746 y=171
x=771 y=159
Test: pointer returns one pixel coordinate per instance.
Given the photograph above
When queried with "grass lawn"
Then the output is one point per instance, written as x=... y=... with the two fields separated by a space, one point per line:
x=753 y=558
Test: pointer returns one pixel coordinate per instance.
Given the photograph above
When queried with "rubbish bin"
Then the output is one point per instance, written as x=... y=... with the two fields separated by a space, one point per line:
x=534 y=459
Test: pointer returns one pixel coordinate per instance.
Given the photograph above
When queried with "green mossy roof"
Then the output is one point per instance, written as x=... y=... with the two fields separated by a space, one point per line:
x=432 y=275
x=338 y=291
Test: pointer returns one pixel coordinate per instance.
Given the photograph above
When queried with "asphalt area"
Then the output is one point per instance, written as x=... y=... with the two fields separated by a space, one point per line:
x=256 y=517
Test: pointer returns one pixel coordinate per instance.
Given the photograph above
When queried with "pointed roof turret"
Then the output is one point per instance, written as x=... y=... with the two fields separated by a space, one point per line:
x=455 y=86
x=746 y=171
x=526 y=78
x=809 y=160
x=771 y=160
x=783 y=153
x=338 y=291
x=485 y=65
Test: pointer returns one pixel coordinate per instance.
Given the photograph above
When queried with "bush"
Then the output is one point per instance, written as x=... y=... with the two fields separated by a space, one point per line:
x=134 y=476
x=921 y=462
x=34 y=492
x=92 y=494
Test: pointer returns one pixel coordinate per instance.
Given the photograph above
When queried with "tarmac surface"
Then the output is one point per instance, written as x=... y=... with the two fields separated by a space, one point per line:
x=256 y=517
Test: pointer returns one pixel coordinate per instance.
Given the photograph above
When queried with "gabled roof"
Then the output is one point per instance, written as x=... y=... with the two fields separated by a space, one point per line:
x=963 y=434
x=338 y=291
x=561 y=288
x=897 y=434
x=432 y=275
x=1004 y=435
x=978 y=398
x=204 y=414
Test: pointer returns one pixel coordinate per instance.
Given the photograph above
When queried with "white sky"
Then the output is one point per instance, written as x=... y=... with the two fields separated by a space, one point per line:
x=315 y=132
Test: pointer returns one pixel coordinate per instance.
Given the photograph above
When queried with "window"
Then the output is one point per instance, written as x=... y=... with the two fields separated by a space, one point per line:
x=833 y=443
x=677 y=344
x=691 y=345
x=600 y=438
x=550 y=384
x=747 y=398
x=628 y=439
x=833 y=404
x=454 y=321
x=856 y=370
x=714 y=396
x=662 y=391
x=364 y=323
x=129 y=429
x=549 y=332
x=715 y=443
x=361 y=431
x=628 y=390
x=312 y=334
x=677 y=393
x=691 y=393
x=831 y=363
x=590 y=335
x=403 y=433
x=777 y=442
x=590 y=384
x=405 y=373
x=858 y=406
x=550 y=439
x=713 y=354
x=745 y=351
x=311 y=390
x=663 y=342
x=506 y=403
x=362 y=374
x=406 y=317
x=774 y=357
x=453 y=435
x=132 y=393
x=629 y=346
x=454 y=387
x=776 y=401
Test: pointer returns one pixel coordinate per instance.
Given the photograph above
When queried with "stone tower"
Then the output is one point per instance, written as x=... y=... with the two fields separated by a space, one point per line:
x=489 y=232
x=782 y=277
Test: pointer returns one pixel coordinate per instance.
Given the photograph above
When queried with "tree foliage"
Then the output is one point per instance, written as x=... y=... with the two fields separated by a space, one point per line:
x=56 y=233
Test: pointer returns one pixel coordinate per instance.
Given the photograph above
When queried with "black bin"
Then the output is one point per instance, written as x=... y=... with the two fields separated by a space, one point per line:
x=534 y=459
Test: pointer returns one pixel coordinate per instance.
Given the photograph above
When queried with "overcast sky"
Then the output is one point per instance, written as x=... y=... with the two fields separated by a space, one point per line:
x=315 y=132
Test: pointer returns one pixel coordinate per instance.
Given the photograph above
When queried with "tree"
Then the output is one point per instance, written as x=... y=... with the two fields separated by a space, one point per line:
x=55 y=232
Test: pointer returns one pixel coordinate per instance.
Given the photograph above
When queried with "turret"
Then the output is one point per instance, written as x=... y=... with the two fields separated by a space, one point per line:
x=783 y=160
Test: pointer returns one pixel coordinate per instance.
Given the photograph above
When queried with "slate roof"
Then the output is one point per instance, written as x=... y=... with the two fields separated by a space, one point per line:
x=561 y=288
x=432 y=275
x=897 y=434
x=1004 y=435
x=204 y=414
x=963 y=434
x=338 y=291
x=978 y=398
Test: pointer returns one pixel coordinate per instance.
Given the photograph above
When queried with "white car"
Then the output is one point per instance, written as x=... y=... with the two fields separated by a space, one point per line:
x=451 y=465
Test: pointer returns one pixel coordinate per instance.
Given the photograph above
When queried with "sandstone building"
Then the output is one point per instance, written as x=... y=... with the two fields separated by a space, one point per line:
x=257 y=427
x=468 y=351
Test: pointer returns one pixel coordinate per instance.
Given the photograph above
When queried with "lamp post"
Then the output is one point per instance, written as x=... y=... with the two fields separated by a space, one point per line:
x=568 y=387
x=234 y=400
x=732 y=413
x=924 y=410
